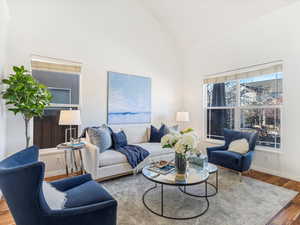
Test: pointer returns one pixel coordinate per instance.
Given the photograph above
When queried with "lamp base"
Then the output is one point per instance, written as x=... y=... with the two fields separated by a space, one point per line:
x=69 y=138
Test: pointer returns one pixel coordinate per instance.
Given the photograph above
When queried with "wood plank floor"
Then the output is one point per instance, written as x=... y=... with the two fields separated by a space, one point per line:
x=289 y=215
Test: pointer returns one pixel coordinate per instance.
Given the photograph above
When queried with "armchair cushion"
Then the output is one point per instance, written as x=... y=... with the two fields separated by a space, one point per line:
x=86 y=194
x=55 y=199
x=227 y=159
x=70 y=182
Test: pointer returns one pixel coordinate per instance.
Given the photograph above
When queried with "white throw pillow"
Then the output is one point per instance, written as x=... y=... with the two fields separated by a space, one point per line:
x=240 y=146
x=54 y=198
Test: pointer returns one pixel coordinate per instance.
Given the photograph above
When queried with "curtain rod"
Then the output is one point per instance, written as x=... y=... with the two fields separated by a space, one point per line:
x=242 y=68
x=47 y=57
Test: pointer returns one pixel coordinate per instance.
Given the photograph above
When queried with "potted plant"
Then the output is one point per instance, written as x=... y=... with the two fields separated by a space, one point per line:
x=25 y=95
x=184 y=143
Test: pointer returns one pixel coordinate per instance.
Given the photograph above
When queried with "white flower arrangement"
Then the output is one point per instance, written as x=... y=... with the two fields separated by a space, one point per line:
x=182 y=143
x=170 y=140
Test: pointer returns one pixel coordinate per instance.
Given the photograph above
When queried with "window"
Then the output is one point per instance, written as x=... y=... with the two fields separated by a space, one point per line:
x=63 y=80
x=61 y=95
x=249 y=101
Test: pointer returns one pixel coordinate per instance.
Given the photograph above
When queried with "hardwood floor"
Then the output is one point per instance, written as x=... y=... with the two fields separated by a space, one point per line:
x=289 y=215
x=5 y=216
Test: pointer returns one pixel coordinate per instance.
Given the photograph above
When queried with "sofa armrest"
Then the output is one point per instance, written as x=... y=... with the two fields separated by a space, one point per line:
x=90 y=157
x=68 y=183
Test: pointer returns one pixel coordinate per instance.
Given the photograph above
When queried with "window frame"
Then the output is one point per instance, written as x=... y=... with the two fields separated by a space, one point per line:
x=237 y=117
x=57 y=105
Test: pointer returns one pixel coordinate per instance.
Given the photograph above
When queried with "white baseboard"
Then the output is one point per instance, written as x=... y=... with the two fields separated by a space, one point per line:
x=276 y=173
x=54 y=173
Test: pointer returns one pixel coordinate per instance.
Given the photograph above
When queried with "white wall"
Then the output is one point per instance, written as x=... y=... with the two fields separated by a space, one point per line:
x=272 y=37
x=105 y=36
x=4 y=18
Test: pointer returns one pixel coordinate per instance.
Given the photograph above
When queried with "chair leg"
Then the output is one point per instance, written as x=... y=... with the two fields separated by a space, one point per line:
x=241 y=176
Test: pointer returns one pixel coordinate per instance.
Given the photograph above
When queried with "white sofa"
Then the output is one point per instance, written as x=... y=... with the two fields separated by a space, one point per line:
x=113 y=163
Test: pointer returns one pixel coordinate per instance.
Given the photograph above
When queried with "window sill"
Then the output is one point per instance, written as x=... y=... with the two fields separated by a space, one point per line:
x=257 y=148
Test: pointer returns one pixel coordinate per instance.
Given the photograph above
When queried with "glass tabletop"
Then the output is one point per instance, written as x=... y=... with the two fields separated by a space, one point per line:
x=211 y=168
x=195 y=175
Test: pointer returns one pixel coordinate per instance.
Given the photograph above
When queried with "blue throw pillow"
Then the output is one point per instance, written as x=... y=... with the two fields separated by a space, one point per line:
x=100 y=137
x=119 y=139
x=156 y=135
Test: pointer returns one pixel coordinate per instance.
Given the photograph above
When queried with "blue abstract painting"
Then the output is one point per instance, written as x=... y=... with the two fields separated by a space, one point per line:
x=129 y=99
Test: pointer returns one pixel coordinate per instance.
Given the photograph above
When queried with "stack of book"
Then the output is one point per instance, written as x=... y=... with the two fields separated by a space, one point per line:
x=162 y=167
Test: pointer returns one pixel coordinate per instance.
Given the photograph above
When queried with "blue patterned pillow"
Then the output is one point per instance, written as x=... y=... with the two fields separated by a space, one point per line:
x=156 y=135
x=100 y=137
x=119 y=139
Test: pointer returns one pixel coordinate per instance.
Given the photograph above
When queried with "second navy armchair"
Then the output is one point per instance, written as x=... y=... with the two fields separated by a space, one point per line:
x=232 y=160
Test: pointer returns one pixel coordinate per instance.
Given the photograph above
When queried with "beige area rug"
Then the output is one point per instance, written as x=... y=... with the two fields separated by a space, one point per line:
x=250 y=202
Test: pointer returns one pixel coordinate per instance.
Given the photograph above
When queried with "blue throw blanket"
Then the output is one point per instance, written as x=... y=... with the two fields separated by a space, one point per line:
x=134 y=154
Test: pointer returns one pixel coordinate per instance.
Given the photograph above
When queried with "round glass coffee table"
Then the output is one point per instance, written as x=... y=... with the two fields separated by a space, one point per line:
x=195 y=176
x=212 y=169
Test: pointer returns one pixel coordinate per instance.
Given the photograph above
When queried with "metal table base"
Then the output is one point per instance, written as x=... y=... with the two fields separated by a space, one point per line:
x=161 y=213
x=215 y=187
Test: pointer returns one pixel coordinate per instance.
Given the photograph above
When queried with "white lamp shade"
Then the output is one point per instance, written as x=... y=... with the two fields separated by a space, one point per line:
x=69 y=117
x=182 y=117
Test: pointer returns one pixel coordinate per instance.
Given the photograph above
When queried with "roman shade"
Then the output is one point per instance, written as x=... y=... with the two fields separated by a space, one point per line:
x=55 y=67
x=243 y=75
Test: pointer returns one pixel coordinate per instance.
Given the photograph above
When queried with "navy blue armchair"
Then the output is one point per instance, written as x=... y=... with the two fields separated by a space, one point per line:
x=21 y=177
x=232 y=160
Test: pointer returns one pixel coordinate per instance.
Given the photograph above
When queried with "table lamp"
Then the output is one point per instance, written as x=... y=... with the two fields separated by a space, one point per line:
x=182 y=117
x=69 y=118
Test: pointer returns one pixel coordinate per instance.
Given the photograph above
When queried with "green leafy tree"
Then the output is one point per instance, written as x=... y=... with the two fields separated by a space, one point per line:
x=25 y=95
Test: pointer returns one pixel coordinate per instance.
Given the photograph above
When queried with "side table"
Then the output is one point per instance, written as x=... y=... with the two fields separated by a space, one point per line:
x=72 y=149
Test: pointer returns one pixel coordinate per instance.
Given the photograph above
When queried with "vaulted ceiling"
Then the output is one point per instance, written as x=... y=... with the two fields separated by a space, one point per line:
x=190 y=21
